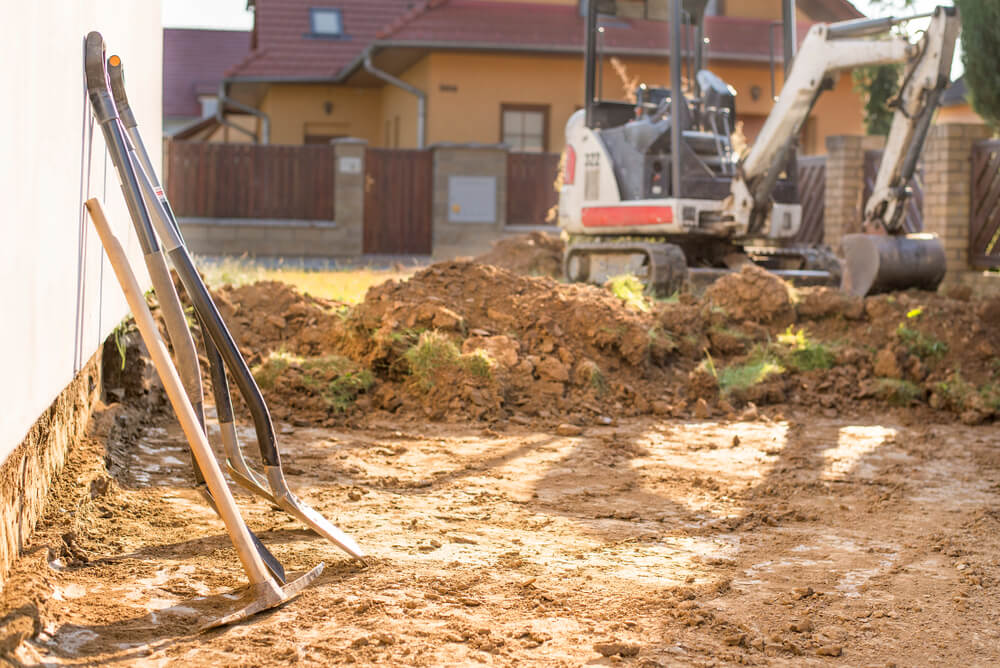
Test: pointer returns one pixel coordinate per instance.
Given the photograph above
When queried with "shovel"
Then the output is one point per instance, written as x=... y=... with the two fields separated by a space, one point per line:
x=276 y=489
x=177 y=329
x=264 y=592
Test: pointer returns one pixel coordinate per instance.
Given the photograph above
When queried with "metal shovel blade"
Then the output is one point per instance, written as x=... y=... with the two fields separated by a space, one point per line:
x=875 y=263
x=290 y=504
x=270 y=561
x=265 y=596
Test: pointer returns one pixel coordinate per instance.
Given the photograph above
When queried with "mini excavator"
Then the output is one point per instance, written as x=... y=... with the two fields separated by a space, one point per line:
x=656 y=188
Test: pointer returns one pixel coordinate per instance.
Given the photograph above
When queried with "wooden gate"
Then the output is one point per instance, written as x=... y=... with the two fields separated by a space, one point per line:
x=530 y=191
x=250 y=181
x=984 y=218
x=914 y=220
x=812 y=194
x=399 y=188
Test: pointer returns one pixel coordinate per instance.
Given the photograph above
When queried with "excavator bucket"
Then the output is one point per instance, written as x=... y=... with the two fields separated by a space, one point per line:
x=876 y=263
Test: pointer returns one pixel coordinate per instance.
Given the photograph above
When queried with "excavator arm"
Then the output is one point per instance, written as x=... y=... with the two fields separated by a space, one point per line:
x=827 y=50
x=925 y=77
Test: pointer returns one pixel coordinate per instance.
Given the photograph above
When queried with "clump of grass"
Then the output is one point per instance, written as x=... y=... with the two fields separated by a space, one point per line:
x=434 y=355
x=899 y=392
x=802 y=353
x=759 y=366
x=120 y=333
x=920 y=344
x=960 y=394
x=267 y=372
x=335 y=379
x=629 y=289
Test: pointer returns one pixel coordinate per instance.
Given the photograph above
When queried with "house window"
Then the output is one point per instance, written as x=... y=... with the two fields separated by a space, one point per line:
x=326 y=22
x=524 y=127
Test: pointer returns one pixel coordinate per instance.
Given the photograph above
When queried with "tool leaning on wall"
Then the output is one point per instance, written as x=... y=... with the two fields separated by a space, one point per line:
x=155 y=225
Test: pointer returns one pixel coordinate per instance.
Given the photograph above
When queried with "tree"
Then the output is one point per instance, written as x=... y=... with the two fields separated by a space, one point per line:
x=980 y=45
x=877 y=85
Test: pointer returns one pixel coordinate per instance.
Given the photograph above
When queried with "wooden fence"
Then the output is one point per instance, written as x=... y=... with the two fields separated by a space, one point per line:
x=530 y=189
x=914 y=220
x=984 y=218
x=812 y=194
x=206 y=180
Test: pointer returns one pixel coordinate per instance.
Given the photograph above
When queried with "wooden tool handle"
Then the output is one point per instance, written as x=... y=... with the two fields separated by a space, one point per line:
x=252 y=563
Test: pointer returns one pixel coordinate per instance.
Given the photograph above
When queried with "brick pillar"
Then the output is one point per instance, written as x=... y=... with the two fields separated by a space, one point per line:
x=349 y=195
x=947 y=191
x=466 y=220
x=845 y=184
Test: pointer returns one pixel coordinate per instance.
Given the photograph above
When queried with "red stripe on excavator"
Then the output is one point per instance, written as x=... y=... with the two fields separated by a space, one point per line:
x=623 y=216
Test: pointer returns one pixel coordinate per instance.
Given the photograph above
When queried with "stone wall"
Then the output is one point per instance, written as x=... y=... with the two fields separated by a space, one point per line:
x=461 y=175
x=947 y=192
x=845 y=165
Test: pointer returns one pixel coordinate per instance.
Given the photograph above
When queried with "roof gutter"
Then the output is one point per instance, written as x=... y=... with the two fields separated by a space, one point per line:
x=413 y=90
x=220 y=116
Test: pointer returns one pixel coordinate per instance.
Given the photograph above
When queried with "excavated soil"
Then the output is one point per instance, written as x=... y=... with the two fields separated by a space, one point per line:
x=532 y=254
x=810 y=518
x=522 y=347
x=772 y=540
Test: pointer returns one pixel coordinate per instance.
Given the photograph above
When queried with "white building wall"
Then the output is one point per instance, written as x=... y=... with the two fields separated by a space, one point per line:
x=58 y=295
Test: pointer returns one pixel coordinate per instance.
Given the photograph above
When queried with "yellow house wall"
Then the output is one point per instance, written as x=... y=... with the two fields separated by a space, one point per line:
x=472 y=112
x=298 y=109
x=465 y=92
x=399 y=108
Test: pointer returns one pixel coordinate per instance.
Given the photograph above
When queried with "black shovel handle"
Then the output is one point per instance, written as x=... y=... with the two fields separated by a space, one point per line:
x=219 y=341
x=107 y=117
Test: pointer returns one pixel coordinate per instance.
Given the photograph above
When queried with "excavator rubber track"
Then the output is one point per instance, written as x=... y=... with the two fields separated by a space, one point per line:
x=666 y=264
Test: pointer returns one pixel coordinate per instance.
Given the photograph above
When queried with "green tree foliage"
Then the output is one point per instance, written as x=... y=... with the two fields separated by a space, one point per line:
x=877 y=85
x=981 y=44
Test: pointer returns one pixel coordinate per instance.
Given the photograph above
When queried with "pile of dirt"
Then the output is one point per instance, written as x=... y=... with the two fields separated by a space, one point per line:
x=465 y=340
x=532 y=254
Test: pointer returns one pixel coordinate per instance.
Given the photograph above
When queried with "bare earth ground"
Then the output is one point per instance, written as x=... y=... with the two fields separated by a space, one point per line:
x=781 y=540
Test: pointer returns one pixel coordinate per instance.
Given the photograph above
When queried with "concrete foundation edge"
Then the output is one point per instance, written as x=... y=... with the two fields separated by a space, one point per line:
x=27 y=475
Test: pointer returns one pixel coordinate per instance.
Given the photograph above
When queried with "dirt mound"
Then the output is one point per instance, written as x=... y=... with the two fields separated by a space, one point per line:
x=751 y=294
x=467 y=340
x=532 y=254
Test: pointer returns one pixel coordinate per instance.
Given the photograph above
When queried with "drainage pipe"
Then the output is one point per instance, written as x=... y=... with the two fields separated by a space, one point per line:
x=265 y=120
x=413 y=90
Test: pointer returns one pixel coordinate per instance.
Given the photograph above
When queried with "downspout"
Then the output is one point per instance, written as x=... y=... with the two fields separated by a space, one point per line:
x=413 y=90
x=265 y=121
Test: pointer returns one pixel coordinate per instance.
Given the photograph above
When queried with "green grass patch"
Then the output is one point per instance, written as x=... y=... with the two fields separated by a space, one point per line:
x=801 y=353
x=435 y=356
x=119 y=334
x=899 y=392
x=920 y=344
x=759 y=366
x=629 y=289
x=335 y=379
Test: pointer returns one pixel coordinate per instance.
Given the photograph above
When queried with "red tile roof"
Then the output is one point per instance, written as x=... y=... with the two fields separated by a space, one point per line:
x=505 y=25
x=286 y=51
x=194 y=62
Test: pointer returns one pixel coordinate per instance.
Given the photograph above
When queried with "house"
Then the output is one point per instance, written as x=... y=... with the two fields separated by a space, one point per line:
x=399 y=74
x=194 y=62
